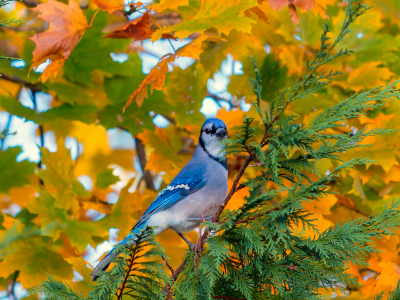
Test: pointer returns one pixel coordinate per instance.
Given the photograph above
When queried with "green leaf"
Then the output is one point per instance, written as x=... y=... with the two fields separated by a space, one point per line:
x=14 y=173
x=105 y=179
x=94 y=53
x=85 y=113
x=1 y=222
x=68 y=93
x=273 y=77
x=36 y=259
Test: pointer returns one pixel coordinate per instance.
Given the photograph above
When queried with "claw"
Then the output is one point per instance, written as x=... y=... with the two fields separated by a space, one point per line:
x=190 y=244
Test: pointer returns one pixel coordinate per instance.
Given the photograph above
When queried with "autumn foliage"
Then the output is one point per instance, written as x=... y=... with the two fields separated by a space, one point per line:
x=50 y=221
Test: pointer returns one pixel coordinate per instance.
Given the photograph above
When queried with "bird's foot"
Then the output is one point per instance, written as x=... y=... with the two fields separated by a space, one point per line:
x=190 y=244
x=194 y=248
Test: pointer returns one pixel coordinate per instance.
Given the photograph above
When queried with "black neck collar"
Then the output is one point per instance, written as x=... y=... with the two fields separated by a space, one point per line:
x=220 y=161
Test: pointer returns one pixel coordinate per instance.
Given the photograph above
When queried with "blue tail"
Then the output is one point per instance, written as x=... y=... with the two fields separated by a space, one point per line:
x=129 y=240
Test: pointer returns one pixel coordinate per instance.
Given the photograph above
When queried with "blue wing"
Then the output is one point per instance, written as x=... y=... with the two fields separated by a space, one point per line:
x=176 y=191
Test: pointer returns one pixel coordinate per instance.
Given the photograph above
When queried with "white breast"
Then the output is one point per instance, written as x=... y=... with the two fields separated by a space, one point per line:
x=204 y=201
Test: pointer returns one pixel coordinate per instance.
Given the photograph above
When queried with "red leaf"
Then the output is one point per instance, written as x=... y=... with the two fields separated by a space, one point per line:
x=67 y=24
x=138 y=29
x=293 y=14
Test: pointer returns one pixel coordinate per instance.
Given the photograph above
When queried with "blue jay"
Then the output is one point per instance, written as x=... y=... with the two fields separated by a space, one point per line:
x=197 y=190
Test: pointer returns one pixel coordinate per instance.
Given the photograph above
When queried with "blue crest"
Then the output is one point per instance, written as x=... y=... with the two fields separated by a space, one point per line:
x=216 y=122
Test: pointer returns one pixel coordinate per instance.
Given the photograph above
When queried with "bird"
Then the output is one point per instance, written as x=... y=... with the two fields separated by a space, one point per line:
x=196 y=192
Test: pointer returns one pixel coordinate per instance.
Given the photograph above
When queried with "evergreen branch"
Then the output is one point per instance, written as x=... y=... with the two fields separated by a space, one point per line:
x=167 y=264
x=233 y=188
x=127 y=273
x=227 y=298
x=56 y=290
x=255 y=149
x=175 y=275
x=258 y=216
x=396 y=293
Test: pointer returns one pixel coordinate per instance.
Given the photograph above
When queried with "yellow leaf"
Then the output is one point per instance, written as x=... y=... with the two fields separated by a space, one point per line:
x=9 y=88
x=156 y=77
x=368 y=75
x=389 y=275
x=109 y=5
x=322 y=206
x=222 y=15
x=35 y=260
x=169 y=4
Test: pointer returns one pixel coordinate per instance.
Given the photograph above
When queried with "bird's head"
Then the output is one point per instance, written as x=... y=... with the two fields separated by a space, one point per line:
x=212 y=133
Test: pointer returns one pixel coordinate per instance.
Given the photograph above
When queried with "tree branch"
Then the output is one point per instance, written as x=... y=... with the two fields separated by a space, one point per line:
x=32 y=87
x=233 y=188
x=179 y=270
x=128 y=272
x=143 y=161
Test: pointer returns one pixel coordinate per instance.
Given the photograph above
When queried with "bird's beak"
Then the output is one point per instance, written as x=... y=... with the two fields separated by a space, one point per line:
x=222 y=133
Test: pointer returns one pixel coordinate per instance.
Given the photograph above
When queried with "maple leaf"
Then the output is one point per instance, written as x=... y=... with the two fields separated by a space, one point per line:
x=156 y=77
x=222 y=15
x=106 y=178
x=109 y=5
x=138 y=29
x=303 y=4
x=13 y=173
x=67 y=24
x=256 y=10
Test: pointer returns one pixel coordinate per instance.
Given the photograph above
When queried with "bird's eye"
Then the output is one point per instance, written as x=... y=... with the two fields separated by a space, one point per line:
x=207 y=131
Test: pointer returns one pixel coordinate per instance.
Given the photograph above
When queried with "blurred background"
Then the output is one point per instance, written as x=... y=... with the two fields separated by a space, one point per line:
x=84 y=171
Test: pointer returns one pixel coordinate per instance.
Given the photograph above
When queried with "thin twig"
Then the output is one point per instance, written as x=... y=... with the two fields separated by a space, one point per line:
x=12 y=289
x=128 y=272
x=32 y=94
x=32 y=87
x=179 y=270
x=259 y=215
x=167 y=264
x=233 y=188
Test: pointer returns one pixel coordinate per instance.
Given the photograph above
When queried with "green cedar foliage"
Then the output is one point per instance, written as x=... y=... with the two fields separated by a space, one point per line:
x=257 y=251
x=395 y=295
x=138 y=272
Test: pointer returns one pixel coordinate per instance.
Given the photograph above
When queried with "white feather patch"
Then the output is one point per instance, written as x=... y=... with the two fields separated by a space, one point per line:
x=179 y=186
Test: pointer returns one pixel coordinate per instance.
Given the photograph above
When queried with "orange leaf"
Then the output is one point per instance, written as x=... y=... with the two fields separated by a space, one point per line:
x=169 y=4
x=168 y=36
x=57 y=62
x=16 y=39
x=368 y=75
x=67 y=24
x=156 y=77
x=293 y=14
x=109 y=5
x=138 y=29
x=303 y=4
x=259 y=13
x=278 y=4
